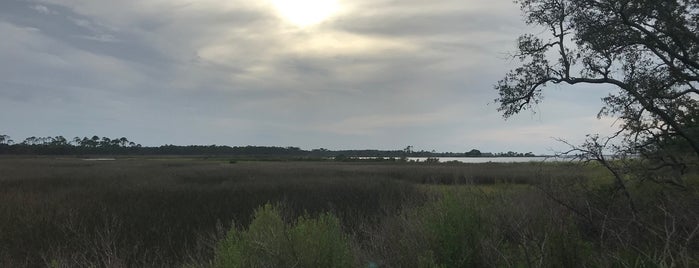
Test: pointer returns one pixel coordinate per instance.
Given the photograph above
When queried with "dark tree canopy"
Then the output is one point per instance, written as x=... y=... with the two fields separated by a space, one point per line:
x=648 y=49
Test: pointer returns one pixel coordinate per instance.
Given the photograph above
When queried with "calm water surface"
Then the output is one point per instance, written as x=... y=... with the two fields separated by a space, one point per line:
x=493 y=159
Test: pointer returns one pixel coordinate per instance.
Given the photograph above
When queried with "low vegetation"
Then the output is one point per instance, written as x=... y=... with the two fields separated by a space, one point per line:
x=269 y=242
x=196 y=212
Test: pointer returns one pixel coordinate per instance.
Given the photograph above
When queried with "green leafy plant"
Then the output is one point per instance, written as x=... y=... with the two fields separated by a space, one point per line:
x=269 y=242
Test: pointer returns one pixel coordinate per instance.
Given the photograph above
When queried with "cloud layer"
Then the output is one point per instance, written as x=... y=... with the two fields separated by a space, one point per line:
x=379 y=74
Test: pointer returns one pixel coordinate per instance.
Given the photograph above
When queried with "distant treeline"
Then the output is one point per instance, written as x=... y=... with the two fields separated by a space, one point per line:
x=60 y=145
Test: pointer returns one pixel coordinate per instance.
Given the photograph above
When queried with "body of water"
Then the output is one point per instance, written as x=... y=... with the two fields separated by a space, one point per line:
x=99 y=159
x=490 y=159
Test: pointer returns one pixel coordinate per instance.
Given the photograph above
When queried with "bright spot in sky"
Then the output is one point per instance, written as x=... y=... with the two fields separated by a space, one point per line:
x=305 y=13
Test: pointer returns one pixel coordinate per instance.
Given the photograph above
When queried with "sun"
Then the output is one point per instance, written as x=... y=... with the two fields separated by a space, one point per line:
x=305 y=13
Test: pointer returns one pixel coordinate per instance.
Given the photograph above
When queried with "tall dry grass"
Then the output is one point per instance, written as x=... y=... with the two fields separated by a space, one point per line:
x=149 y=212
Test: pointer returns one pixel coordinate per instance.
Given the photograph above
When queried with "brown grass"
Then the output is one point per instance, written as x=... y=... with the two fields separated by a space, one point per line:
x=171 y=211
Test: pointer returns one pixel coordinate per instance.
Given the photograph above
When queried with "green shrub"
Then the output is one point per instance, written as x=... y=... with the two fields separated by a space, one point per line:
x=320 y=242
x=447 y=231
x=261 y=245
x=269 y=242
x=456 y=229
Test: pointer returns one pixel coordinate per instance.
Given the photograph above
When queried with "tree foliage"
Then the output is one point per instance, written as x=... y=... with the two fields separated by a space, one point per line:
x=647 y=49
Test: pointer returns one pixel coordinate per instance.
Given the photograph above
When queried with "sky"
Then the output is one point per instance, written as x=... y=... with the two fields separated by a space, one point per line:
x=335 y=74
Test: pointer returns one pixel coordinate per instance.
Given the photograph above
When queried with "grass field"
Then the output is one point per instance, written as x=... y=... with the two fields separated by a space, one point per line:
x=170 y=211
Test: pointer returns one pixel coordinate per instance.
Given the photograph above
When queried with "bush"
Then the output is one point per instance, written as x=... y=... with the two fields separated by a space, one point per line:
x=269 y=242
x=320 y=242
x=482 y=227
x=262 y=245
x=447 y=231
x=456 y=229
x=432 y=160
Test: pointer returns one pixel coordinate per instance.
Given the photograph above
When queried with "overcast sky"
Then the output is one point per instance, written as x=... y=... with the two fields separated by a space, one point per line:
x=381 y=74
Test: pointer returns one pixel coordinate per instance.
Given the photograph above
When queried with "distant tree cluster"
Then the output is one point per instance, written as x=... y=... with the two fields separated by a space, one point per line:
x=60 y=145
x=514 y=154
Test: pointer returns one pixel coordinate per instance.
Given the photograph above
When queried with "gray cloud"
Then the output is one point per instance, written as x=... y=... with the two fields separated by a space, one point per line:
x=381 y=74
x=41 y=9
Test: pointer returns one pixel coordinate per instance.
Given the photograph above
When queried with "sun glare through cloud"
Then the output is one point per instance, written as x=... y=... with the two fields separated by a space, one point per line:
x=336 y=74
x=304 y=13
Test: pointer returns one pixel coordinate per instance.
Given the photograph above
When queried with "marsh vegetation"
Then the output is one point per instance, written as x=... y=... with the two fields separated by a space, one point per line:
x=197 y=212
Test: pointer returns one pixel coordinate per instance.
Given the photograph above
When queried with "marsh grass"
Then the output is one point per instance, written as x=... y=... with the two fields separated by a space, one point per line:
x=140 y=212
x=169 y=212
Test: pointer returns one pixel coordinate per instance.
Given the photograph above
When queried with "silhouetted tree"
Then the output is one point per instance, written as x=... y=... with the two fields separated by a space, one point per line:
x=31 y=141
x=59 y=141
x=123 y=142
x=649 y=50
x=473 y=152
x=76 y=141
